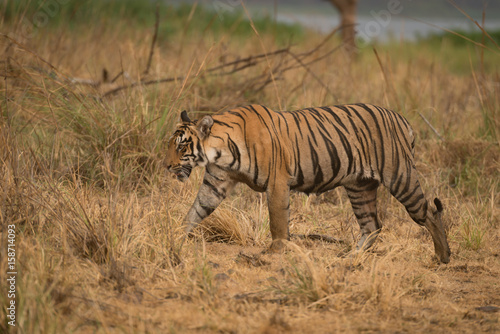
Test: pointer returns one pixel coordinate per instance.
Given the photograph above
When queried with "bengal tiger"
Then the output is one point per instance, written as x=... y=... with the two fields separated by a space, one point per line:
x=313 y=150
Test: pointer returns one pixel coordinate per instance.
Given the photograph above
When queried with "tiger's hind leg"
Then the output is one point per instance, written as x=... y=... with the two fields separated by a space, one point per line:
x=363 y=197
x=409 y=193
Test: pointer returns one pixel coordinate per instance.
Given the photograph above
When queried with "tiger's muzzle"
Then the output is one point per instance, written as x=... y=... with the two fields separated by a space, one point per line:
x=182 y=173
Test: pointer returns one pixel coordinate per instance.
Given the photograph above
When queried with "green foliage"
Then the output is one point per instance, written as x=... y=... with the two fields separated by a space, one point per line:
x=463 y=38
x=460 y=52
x=465 y=51
x=173 y=19
x=472 y=235
x=302 y=282
x=473 y=167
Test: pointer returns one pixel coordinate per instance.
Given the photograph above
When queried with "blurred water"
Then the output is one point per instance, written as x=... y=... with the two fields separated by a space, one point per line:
x=384 y=28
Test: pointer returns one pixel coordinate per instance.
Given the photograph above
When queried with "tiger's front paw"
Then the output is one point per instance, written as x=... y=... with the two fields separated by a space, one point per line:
x=277 y=246
x=189 y=231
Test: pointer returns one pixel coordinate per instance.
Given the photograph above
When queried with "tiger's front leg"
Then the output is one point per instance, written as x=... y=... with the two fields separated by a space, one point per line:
x=213 y=191
x=278 y=200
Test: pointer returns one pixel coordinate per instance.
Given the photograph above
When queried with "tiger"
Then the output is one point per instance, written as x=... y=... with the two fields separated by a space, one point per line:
x=313 y=150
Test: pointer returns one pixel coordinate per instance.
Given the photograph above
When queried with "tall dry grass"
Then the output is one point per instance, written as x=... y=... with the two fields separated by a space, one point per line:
x=99 y=241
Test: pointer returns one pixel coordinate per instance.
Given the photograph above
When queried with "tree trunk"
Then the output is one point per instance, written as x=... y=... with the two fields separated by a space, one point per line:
x=347 y=10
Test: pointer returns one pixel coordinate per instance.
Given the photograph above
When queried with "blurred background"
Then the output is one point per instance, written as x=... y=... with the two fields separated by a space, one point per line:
x=409 y=20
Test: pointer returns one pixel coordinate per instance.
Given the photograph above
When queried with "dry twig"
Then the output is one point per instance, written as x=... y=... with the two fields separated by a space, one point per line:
x=153 y=42
x=320 y=237
x=430 y=125
x=245 y=63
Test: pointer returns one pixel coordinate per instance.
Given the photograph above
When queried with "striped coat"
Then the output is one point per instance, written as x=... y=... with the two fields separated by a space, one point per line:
x=357 y=146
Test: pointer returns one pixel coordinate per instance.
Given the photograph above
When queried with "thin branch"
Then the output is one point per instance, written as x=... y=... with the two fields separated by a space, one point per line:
x=430 y=125
x=320 y=45
x=314 y=60
x=320 y=237
x=266 y=55
x=153 y=42
x=266 y=82
x=485 y=33
x=143 y=83
x=80 y=81
x=251 y=61
x=313 y=74
x=116 y=77
x=388 y=82
x=29 y=51
x=248 y=59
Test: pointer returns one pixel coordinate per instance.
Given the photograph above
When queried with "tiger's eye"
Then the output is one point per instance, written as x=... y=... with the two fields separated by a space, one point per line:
x=181 y=148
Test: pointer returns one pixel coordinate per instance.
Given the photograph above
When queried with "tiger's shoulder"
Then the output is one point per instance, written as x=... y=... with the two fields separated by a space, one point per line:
x=251 y=117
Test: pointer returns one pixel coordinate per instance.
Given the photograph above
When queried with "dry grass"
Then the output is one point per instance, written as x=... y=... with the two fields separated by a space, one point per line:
x=99 y=223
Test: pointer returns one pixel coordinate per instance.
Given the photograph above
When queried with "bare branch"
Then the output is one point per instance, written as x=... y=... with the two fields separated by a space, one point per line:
x=313 y=74
x=153 y=42
x=430 y=125
x=320 y=237
x=250 y=61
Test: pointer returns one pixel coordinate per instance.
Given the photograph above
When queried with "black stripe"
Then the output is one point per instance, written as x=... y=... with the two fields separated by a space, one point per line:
x=414 y=201
x=222 y=123
x=362 y=202
x=335 y=164
x=335 y=116
x=365 y=148
x=199 y=214
x=311 y=132
x=364 y=215
x=235 y=152
x=256 y=167
x=212 y=175
x=208 y=209
x=382 y=153
x=299 y=174
x=214 y=189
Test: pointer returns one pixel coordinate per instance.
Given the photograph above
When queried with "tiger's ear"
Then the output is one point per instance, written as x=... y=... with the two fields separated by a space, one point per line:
x=204 y=126
x=185 y=117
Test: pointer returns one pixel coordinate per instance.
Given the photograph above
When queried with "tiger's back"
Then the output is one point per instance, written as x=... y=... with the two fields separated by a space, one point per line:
x=320 y=148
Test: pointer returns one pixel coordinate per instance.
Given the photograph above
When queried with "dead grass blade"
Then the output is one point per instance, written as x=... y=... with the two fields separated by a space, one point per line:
x=454 y=33
x=485 y=33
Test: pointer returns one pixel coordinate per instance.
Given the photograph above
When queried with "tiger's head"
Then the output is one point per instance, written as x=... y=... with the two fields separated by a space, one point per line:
x=185 y=150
